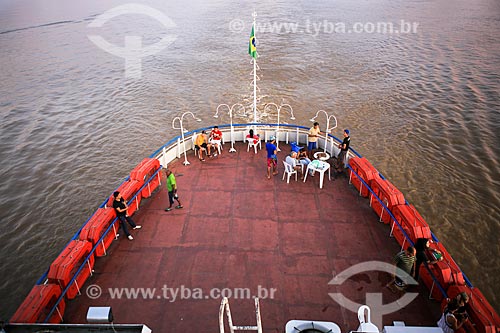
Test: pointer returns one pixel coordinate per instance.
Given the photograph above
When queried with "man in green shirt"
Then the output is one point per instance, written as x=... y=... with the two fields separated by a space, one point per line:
x=172 y=191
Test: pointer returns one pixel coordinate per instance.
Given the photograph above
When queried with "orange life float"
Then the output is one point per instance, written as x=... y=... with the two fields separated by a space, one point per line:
x=365 y=170
x=95 y=228
x=412 y=223
x=479 y=298
x=38 y=304
x=444 y=275
x=388 y=194
x=447 y=258
x=128 y=190
x=64 y=268
x=143 y=172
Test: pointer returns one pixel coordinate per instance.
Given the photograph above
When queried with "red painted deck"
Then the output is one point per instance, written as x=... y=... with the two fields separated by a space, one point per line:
x=240 y=230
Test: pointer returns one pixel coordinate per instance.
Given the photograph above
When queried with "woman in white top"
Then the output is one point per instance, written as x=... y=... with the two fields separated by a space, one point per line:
x=448 y=322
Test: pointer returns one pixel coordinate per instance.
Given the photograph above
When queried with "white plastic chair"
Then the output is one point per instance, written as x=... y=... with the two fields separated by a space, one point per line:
x=194 y=145
x=252 y=143
x=365 y=325
x=218 y=143
x=289 y=170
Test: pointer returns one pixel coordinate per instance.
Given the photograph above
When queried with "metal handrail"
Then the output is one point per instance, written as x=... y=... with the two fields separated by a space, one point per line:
x=172 y=144
x=97 y=244
x=434 y=237
x=157 y=153
x=441 y=289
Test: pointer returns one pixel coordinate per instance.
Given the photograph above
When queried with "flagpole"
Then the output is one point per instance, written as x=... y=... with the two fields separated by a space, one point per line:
x=254 y=77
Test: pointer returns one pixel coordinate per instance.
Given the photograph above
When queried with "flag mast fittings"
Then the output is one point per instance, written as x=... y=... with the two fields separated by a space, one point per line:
x=252 y=50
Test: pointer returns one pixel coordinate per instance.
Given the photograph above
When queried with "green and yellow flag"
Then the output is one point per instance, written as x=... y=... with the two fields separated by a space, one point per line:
x=252 y=49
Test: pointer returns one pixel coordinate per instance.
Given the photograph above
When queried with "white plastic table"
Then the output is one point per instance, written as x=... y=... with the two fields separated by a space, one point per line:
x=321 y=158
x=321 y=168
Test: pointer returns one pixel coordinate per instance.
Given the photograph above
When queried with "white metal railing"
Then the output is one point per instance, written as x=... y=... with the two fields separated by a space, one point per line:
x=287 y=134
x=224 y=305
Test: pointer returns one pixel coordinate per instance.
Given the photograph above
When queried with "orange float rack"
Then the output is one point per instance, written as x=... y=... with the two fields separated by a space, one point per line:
x=38 y=304
x=482 y=316
x=412 y=223
x=128 y=189
x=143 y=172
x=443 y=274
x=456 y=271
x=388 y=194
x=63 y=269
x=365 y=170
x=95 y=228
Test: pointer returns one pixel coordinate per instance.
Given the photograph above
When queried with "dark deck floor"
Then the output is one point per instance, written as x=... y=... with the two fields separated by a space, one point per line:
x=240 y=230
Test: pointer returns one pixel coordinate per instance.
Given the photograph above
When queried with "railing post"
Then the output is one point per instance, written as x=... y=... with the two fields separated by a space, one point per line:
x=77 y=287
x=178 y=148
x=221 y=314
x=257 y=315
x=164 y=156
x=104 y=247
x=229 y=317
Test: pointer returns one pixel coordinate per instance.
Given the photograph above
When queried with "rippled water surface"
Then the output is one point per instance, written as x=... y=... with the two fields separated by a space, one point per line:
x=423 y=107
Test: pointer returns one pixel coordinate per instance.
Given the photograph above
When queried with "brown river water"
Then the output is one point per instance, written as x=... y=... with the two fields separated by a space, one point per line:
x=423 y=107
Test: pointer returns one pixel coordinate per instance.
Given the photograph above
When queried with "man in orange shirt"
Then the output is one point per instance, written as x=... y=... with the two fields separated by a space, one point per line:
x=201 y=144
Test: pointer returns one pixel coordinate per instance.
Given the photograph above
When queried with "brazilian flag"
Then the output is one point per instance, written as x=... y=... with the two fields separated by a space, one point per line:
x=252 y=49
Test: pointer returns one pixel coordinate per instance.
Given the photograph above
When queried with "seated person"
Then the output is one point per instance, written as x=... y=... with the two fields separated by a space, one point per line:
x=304 y=160
x=201 y=145
x=250 y=135
x=215 y=138
x=292 y=160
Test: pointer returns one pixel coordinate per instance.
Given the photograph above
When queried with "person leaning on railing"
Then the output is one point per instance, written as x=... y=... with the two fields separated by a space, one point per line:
x=450 y=321
x=344 y=148
x=120 y=207
x=422 y=245
x=313 y=135
x=462 y=299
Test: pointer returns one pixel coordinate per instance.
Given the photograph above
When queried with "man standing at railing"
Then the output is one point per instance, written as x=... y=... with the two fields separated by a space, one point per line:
x=120 y=207
x=344 y=148
x=313 y=138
